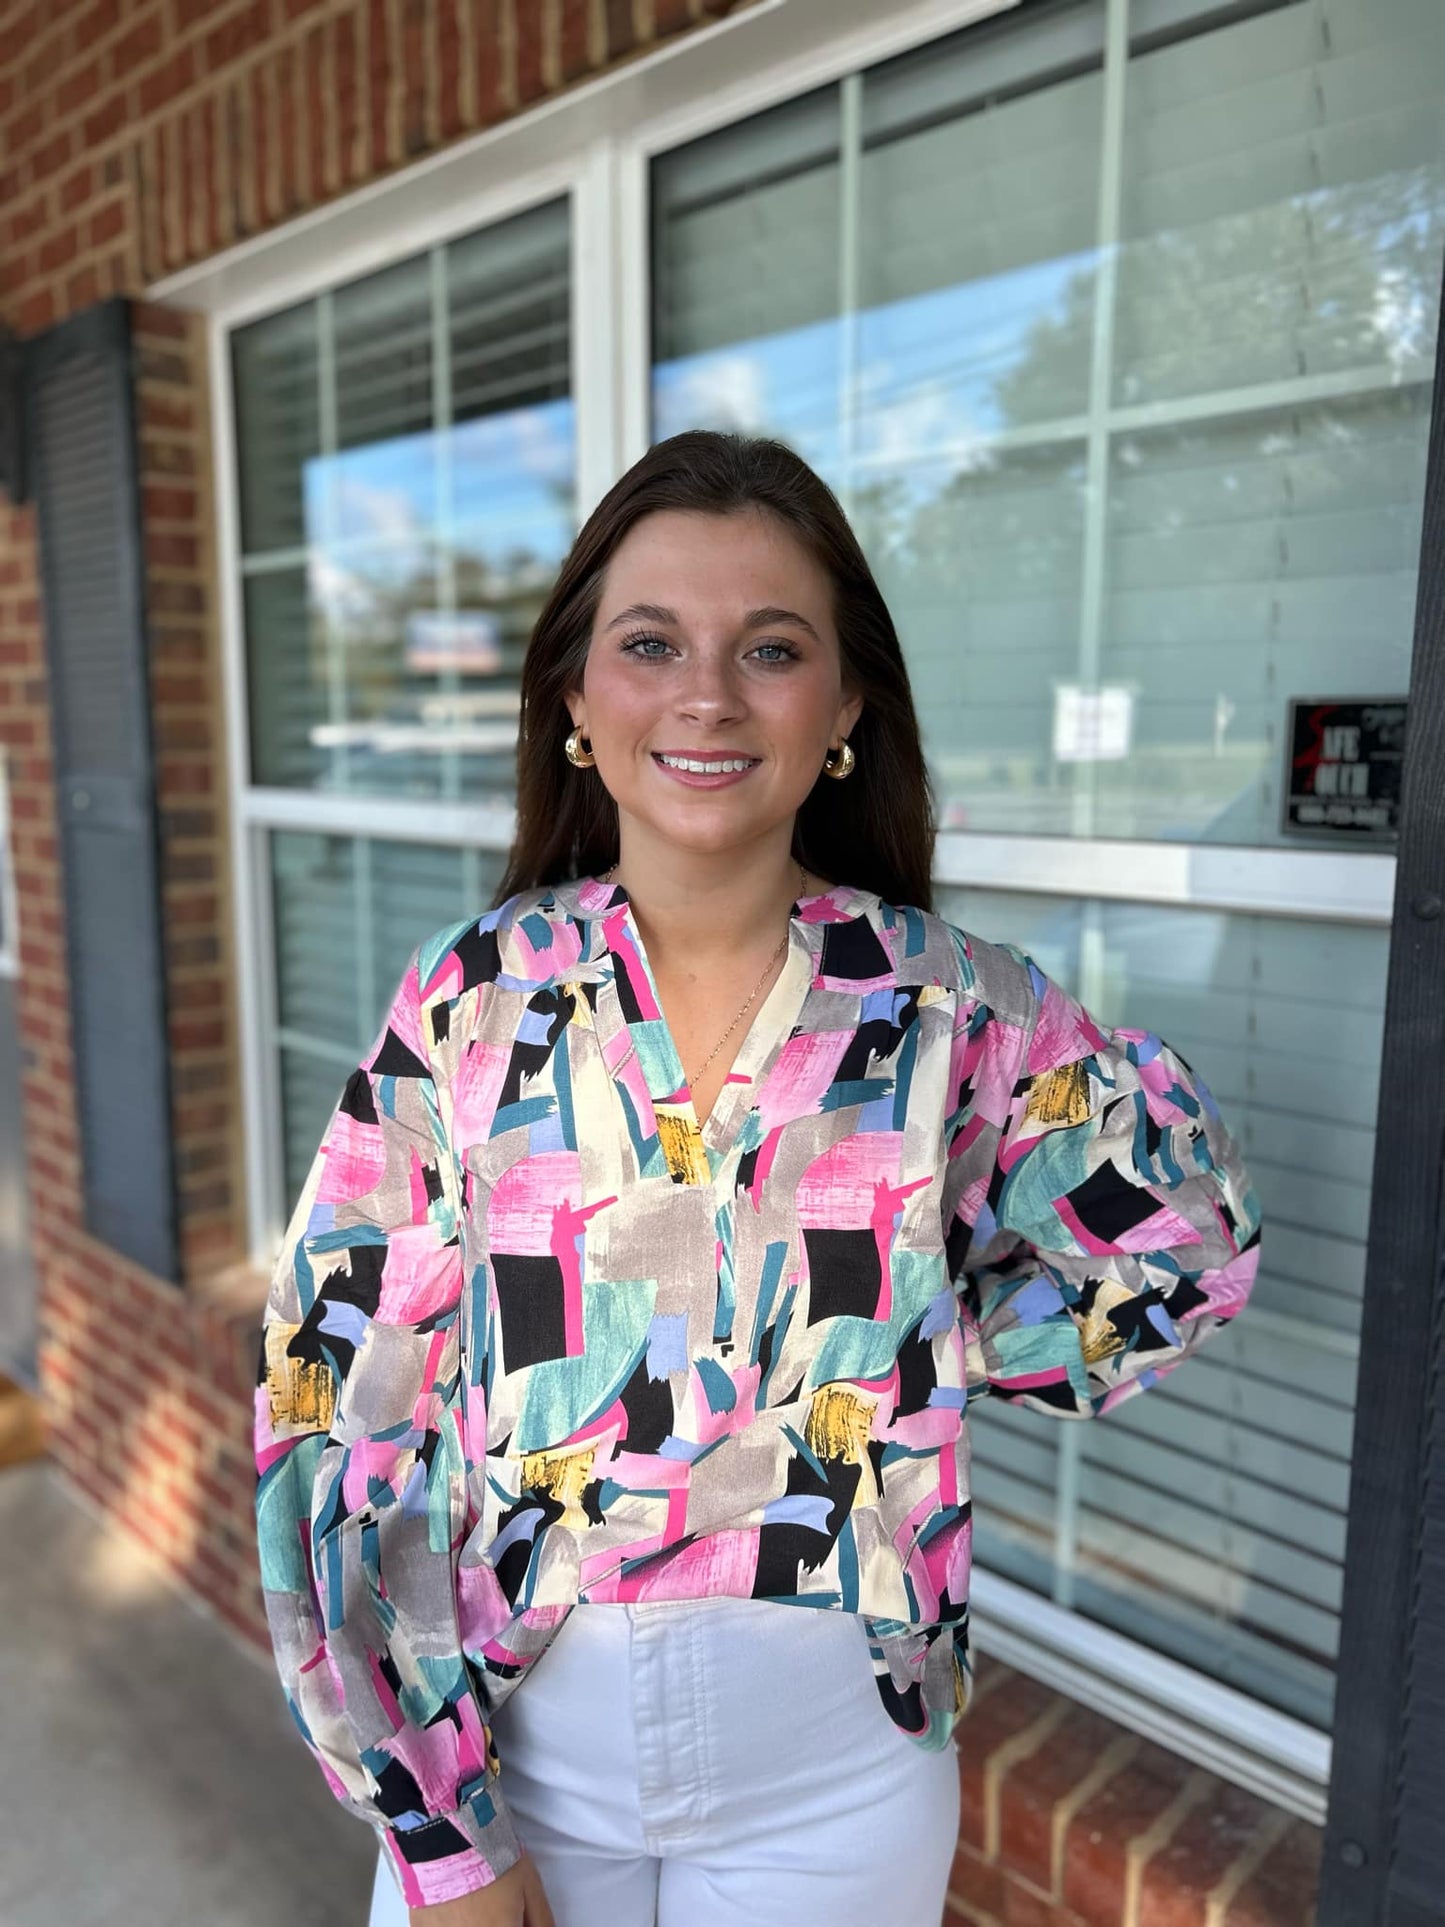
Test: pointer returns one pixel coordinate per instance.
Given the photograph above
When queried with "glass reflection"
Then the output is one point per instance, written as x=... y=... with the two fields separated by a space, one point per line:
x=517 y=464
x=428 y=629
x=1121 y=519
x=274 y=365
x=379 y=493
x=385 y=642
x=1283 y=214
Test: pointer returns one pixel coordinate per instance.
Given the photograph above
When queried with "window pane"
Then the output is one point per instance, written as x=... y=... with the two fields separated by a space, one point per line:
x=1283 y=208
x=983 y=569
x=278 y=430
x=977 y=220
x=348 y=912
x=313 y=887
x=412 y=431
x=1105 y=613
x=745 y=279
x=310 y=1088
x=378 y=601
x=290 y=674
x=1209 y=1514
x=383 y=356
x=1257 y=557
x=510 y=469
x=509 y=318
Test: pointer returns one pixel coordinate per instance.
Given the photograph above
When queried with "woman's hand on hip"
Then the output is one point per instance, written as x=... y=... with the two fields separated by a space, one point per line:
x=514 y=1899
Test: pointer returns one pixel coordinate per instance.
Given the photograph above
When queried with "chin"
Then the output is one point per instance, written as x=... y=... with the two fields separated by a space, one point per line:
x=697 y=835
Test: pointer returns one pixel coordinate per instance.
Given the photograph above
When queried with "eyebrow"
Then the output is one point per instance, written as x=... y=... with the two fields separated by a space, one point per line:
x=755 y=619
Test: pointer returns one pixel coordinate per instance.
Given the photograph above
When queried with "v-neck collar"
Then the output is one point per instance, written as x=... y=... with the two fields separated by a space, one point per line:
x=615 y=937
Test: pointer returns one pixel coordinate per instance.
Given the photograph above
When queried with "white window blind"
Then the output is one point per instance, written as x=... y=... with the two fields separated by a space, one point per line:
x=347 y=912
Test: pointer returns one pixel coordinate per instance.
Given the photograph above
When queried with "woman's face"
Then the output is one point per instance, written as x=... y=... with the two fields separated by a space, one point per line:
x=713 y=684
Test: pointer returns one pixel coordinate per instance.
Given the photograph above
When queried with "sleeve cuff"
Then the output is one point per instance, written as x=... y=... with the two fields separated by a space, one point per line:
x=452 y=1854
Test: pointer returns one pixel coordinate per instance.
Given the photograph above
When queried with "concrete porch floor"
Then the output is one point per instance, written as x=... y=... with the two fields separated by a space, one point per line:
x=152 y=1774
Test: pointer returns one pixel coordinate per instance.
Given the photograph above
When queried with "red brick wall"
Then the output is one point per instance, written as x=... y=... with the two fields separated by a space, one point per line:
x=137 y=136
x=1068 y=1821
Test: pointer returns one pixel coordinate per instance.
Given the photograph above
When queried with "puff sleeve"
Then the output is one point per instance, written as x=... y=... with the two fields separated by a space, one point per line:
x=361 y=1475
x=1101 y=1223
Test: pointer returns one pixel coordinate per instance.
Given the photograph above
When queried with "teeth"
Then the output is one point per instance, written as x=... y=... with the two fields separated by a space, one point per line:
x=722 y=767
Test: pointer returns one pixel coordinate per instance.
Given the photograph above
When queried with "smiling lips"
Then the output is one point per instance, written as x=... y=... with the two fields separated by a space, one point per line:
x=701 y=771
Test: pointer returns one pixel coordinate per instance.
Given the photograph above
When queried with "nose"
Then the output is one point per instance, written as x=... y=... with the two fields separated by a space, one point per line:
x=710 y=693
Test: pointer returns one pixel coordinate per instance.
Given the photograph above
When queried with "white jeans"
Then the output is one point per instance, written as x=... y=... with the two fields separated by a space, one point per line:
x=719 y=1763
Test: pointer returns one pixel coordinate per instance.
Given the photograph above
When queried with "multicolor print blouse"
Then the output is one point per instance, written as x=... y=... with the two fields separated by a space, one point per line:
x=537 y=1337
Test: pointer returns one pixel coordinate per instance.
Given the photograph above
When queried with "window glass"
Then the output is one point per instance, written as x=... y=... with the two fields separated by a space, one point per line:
x=289 y=672
x=1124 y=500
x=406 y=448
x=1264 y=557
x=1283 y=215
x=348 y=911
x=274 y=364
x=745 y=280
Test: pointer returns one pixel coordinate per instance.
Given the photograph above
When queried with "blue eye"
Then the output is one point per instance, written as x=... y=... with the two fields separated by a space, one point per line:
x=649 y=647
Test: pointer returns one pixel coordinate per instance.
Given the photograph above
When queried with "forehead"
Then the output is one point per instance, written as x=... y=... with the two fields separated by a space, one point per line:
x=690 y=562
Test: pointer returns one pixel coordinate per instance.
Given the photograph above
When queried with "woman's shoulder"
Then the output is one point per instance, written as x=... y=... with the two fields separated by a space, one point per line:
x=929 y=948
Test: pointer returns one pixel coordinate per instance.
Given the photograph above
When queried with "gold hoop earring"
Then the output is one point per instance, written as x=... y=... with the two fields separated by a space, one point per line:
x=845 y=764
x=578 y=750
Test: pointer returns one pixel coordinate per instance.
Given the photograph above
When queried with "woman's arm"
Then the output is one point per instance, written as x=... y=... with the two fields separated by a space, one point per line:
x=361 y=1454
x=1103 y=1224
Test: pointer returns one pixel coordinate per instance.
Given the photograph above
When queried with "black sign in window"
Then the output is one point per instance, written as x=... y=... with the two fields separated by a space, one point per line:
x=1343 y=773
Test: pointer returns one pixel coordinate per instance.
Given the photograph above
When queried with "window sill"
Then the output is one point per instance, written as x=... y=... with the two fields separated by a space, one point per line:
x=1215 y=1726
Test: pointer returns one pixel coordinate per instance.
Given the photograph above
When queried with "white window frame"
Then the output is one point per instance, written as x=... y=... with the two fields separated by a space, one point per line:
x=596 y=144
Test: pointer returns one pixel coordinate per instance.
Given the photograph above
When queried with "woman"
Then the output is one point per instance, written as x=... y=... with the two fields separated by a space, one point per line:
x=633 y=1298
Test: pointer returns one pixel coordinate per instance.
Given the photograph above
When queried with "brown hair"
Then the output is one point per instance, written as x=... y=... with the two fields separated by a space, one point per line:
x=874 y=829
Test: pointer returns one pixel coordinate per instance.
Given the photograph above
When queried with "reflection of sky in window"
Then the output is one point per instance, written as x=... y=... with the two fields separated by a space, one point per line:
x=513 y=470
x=929 y=369
x=353 y=590
x=950 y=349
x=784 y=384
x=383 y=492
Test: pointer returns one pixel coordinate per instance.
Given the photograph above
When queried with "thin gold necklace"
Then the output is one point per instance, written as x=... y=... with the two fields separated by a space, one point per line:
x=752 y=995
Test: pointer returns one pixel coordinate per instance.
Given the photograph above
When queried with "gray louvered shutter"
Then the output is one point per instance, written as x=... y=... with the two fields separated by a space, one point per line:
x=80 y=438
